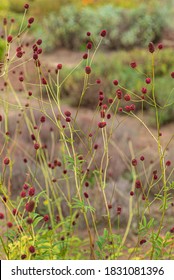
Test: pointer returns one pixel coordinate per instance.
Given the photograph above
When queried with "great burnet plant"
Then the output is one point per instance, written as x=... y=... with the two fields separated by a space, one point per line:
x=55 y=217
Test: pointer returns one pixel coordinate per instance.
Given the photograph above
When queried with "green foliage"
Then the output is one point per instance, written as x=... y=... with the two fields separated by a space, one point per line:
x=2 y=48
x=41 y=8
x=17 y=6
x=4 y=5
x=125 y=28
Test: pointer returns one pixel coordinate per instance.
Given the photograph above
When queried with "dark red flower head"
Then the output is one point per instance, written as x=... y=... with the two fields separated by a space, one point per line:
x=59 y=66
x=88 y=70
x=30 y=206
x=6 y=160
x=31 y=191
x=67 y=113
x=133 y=64
x=103 y=33
x=1 y=216
x=26 y=6
x=32 y=249
x=31 y=20
x=151 y=47
x=101 y=124
x=9 y=38
x=46 y=218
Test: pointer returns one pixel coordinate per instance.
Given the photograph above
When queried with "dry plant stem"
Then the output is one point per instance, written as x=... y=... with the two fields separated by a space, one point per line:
x=161 y=156
x=79 y=193
x=103 y=180
x=130 y=205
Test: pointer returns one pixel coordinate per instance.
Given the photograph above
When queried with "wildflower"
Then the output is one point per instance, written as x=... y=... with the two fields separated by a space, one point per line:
x=172 y=75
x=5 y=21
x=39 y=42
x=36 y=146
x=127 y=97
x=172 y=230
x=31 y=191
x=119 y=93
x=21 y=79
x=1 y=216
x=59 y=66
x=168 y=163
x=148 y=80
x=115 y=82
x=151 y=47
x=14 y=211
x=86 y=184
x=32 y=249
x=137 y=184
x=88 y=70
x=88 y=33
x=44 y=82
x=144 y=90
x=119 y=210
x=103 y=33
x=30 y=206
x=46 y=218
x=105 y=106
x=142 y=241
x=101 y=124
x=131 y=193
x=9 y=224
x=29 y=221
x=89 y=46
x=86 y=195
x=23 y=194
x=42 y=119
x=31 y=20
x=95 y=146
x=67 y=119
x=110 y=100
x=108 y=116
x=9 y=38
x=85 y=56
x=67 y=113
x=160 y=46
x=6 y=161
x=132 y=107
x=23 y=257
x=26 y=6
x=142 y=158
x=102 y=114
x=134 y=162
x=133 y=64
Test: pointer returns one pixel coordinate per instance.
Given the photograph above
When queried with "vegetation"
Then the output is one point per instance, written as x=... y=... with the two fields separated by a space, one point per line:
x=64 y=181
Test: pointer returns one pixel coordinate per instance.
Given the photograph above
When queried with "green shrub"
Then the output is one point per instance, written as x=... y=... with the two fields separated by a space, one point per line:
x=42 y=8
x=125 y=28
x=17 y=6
x=2 y=48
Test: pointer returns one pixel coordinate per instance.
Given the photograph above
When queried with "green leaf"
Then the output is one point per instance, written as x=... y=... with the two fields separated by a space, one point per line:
x=37 y=220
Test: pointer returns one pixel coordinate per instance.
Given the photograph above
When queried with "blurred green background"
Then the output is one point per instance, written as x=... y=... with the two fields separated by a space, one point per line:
x=130 y=26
